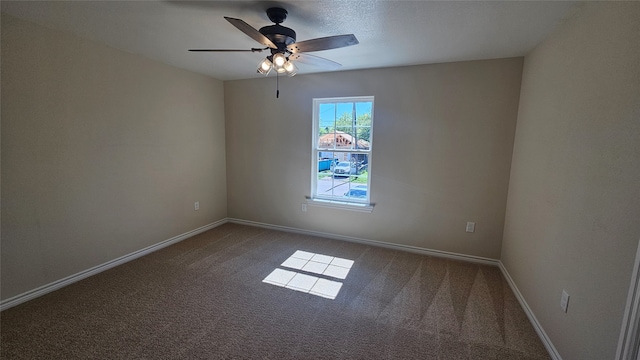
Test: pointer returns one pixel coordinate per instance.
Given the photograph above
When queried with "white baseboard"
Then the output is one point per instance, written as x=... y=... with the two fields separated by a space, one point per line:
x=413 y=249
x=546 y=341
x=45 y=289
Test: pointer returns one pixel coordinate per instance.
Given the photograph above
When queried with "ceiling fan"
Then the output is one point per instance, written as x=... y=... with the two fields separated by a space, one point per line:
x=281 y=41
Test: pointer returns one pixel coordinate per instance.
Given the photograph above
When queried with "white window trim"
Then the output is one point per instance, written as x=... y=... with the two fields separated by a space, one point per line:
x=361 y=206
x=343 y=205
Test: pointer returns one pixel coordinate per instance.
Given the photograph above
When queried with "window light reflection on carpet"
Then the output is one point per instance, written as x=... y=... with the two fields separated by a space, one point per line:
x=323 y=265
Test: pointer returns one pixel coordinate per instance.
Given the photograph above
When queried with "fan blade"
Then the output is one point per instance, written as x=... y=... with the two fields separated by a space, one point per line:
x=325 y=43
x=251 y=32
x=227 y=50
x=315 y=61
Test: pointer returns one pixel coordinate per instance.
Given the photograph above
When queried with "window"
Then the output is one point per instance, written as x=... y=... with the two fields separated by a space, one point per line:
x=341 y=154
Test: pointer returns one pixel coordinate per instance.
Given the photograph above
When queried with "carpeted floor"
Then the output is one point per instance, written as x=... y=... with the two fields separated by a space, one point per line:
x=205 y=298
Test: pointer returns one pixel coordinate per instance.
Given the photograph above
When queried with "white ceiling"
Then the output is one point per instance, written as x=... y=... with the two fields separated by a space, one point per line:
x=391 y=33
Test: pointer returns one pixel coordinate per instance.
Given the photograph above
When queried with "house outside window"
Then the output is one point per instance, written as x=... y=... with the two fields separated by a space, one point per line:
x=341 y=153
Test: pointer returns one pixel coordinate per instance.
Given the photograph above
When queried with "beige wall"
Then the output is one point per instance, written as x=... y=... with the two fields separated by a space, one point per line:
x=573 y=213
x=103 y=153
x=443 y=136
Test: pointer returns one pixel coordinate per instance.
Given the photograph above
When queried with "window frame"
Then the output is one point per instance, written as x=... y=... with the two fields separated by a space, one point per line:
x=331 y=201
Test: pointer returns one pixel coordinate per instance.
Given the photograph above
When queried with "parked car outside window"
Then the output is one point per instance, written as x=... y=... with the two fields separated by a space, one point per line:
x=344 y=168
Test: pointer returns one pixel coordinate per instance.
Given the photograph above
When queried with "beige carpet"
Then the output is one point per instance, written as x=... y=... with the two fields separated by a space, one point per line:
x=205 y=298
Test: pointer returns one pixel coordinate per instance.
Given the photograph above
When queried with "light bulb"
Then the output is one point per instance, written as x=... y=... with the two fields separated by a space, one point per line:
x=290 y=68
x=279 y=59
x=264 y=67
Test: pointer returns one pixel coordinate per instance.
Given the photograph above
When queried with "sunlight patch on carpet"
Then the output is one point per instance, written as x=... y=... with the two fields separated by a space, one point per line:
x=323 y=265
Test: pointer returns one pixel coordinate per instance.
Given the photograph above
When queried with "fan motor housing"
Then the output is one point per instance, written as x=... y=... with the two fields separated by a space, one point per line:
x=279 y=35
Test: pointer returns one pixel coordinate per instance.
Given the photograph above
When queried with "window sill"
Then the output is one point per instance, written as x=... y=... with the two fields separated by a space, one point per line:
x=367 y=208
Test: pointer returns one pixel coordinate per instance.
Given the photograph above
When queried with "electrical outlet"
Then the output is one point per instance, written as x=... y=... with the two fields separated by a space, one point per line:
x=304 y=207
x=564 y=301
x=471 y=227
x=196 y=205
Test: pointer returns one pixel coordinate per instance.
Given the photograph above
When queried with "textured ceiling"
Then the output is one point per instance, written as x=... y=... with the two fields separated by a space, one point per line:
x=391 y=33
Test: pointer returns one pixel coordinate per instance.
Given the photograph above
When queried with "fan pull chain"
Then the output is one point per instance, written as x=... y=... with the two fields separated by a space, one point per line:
x=277 y=87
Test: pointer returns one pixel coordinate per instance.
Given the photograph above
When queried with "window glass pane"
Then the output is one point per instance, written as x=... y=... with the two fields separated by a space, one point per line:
x=324 y=185
x=342 y=176
x=327 y=140
x=343 y=137
x=327 y=113
x=363 y=124
x=344 y=112
x=330 y=187
x=361 y=167
x=363 y=113
x=363 y=136
x=357 y=192
x=326 y=125
x=339 y=129
x=345 y=126
x=326 y=162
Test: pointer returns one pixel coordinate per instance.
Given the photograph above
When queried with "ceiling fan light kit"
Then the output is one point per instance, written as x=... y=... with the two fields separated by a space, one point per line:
x=265 y=66
x=290 y=68
x=281 y=41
